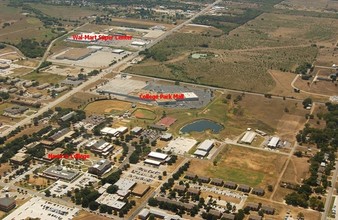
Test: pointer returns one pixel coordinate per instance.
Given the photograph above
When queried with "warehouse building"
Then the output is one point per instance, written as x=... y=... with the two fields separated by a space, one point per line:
x=156 y=158
x=204 y=148
x=273 y=143
x=248 y=137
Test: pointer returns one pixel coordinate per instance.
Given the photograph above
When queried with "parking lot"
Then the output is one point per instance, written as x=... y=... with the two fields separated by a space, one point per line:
x=145 y=175
x=42 y=209
x=60 y=188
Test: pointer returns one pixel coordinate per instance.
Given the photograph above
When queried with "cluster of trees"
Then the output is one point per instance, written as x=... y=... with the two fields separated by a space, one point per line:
x=86 y=197
x=31 y=48
x=326 y=140
x=141 y=149
x=302 y=69
x=2 y=46
x=11 y=148
x=45 y=19
x=112 y=178
x=97 y=129
x=43 y=65
x=222 y=22
x=181 y=170
x=78 y=116
x=4 y=95
x=159 y=55
x=93 y=73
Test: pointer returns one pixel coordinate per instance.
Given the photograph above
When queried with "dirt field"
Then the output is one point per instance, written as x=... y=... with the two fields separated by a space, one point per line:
x=271 y=112
x=77 y=99
x=235 y=165
x=107 y=106
x=297 y=170
x=326 y=88
x=84 y=215
x=5 y=167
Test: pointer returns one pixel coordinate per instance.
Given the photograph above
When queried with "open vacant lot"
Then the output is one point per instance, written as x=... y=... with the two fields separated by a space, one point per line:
x=242 y=165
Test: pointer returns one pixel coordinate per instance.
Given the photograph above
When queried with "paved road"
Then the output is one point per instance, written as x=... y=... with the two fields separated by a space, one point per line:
x=102 y=74
x=156 y=191
x=45 y=55
x=329 y=195
x=254 y=148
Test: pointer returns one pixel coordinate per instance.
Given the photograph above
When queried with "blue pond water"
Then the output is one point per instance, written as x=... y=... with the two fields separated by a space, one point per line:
x=202 y=125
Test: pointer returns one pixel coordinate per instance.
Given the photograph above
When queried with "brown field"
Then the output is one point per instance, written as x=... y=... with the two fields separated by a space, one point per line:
x=5 y=167
x=323 y=88
x=283 y=84
x=235 y=165
x=297 y=170
x=84 y=215
x=77 y=99
x=271 y=112
x=137 y=22
x=312 y=5
x=107 y=106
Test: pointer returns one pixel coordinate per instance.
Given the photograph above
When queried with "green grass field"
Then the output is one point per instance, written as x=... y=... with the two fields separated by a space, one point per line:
x=44 y=77
x=142 y=113
x=252 y=178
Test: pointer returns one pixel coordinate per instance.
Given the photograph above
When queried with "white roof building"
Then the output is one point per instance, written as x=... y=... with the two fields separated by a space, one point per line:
x=206 y=145
x=190 y=96
x=200 y=153
x=111 y=200
x=157 y=155
x=138 y=43
x=273 y=142
x=248 y=137
x=118 y=51
x=152 y=162
x=125 y=184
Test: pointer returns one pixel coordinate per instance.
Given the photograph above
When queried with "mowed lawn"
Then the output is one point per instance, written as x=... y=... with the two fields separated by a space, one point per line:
x=242 y=165
x=143 y=113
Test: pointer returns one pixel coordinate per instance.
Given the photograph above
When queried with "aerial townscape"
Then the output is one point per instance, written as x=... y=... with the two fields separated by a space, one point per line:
x=168 y=109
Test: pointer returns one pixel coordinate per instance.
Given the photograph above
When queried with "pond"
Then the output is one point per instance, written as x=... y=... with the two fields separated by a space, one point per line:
x=202 y=125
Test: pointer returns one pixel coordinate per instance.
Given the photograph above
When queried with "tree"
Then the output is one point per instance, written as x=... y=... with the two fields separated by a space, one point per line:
x=103 y=208
x=240 y=215
x=93 y=205
x=112 y=189
x=47 y=193
x=270 y=188
x=307 y=102
x=153 y=202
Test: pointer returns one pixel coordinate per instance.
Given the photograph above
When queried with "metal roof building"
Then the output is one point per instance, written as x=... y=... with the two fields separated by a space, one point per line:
x=200 y=153
x=248 y=137
x=152 y=162
x=273 y=142
x=157 y=155
x=206 y=145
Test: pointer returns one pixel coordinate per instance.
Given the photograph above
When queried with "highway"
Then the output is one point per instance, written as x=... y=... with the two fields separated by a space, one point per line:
x=99 y=76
